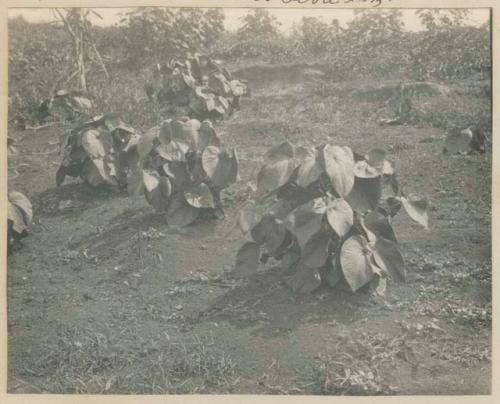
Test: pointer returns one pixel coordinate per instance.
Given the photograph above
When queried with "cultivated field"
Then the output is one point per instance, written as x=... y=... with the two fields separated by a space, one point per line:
x=105 y=297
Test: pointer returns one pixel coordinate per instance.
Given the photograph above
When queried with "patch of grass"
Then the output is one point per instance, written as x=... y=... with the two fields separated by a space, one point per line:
x=86 y=362
x=456 y=111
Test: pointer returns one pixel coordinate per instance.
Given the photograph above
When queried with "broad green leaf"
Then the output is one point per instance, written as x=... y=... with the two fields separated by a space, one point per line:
x=159 y=196
x=15 y=215
x=24 y=204
x=199 y=196
x=186 y=132
x=274 y=174
x=416 y=208
x=178 y=174
x=179 y=212
x=365 y=194
x=97 y=144
x=355 y=262
x=173 y=151
x=220 y=166
x=310 y=168
x=388 y=257
x=339 y=165
x=379 y=226
x=148 y=141
x=306 y=220
x=340 y=216
x=247 y=260
x=207 y=136
x=249 y=216
x=150 y=181
x=315 y=252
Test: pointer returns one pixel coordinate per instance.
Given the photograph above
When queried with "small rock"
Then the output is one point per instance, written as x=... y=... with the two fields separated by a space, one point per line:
x=179 y=307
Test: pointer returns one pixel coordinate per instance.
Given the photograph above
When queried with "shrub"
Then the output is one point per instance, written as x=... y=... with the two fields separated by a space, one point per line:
x=326 y=213
x=181 y=168
x=198 y=87
x=93 y=150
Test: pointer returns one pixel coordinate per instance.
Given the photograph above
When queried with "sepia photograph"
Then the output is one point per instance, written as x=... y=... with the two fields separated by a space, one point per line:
x=258 y=201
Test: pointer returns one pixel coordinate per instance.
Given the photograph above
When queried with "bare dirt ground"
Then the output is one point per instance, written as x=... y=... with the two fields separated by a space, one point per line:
x=105 y=297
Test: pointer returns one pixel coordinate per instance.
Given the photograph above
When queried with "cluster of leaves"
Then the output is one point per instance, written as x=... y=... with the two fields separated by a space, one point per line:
x=326 y=212
x=181 y=168
x=19 y=217
x=93 y=151
x=198 y=87
x=465 y=141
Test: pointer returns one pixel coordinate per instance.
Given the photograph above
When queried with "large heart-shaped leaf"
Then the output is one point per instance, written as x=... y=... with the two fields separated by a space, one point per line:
x=247 y=260
x=22 y=203
x=179 y=212
x=378 y=225
x=148 y=141
x=159 y=196
x=186 y=132
x=220 y=166
x=416 y=207
x=306 y=220
x=178 y=174
x=388 y=257
x=315 y=252
x=207 y=136
x=340 y=216
x=310 y=168
x=15 y=215
x=355 y=262
x=199 y=196
x=173 y=151
x=249 y=216
x=365 y=194
x=97 y=143
x=338 y=163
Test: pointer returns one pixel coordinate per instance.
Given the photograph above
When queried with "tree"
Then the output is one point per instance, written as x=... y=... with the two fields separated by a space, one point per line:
x=258 y=23
x=78 y=26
